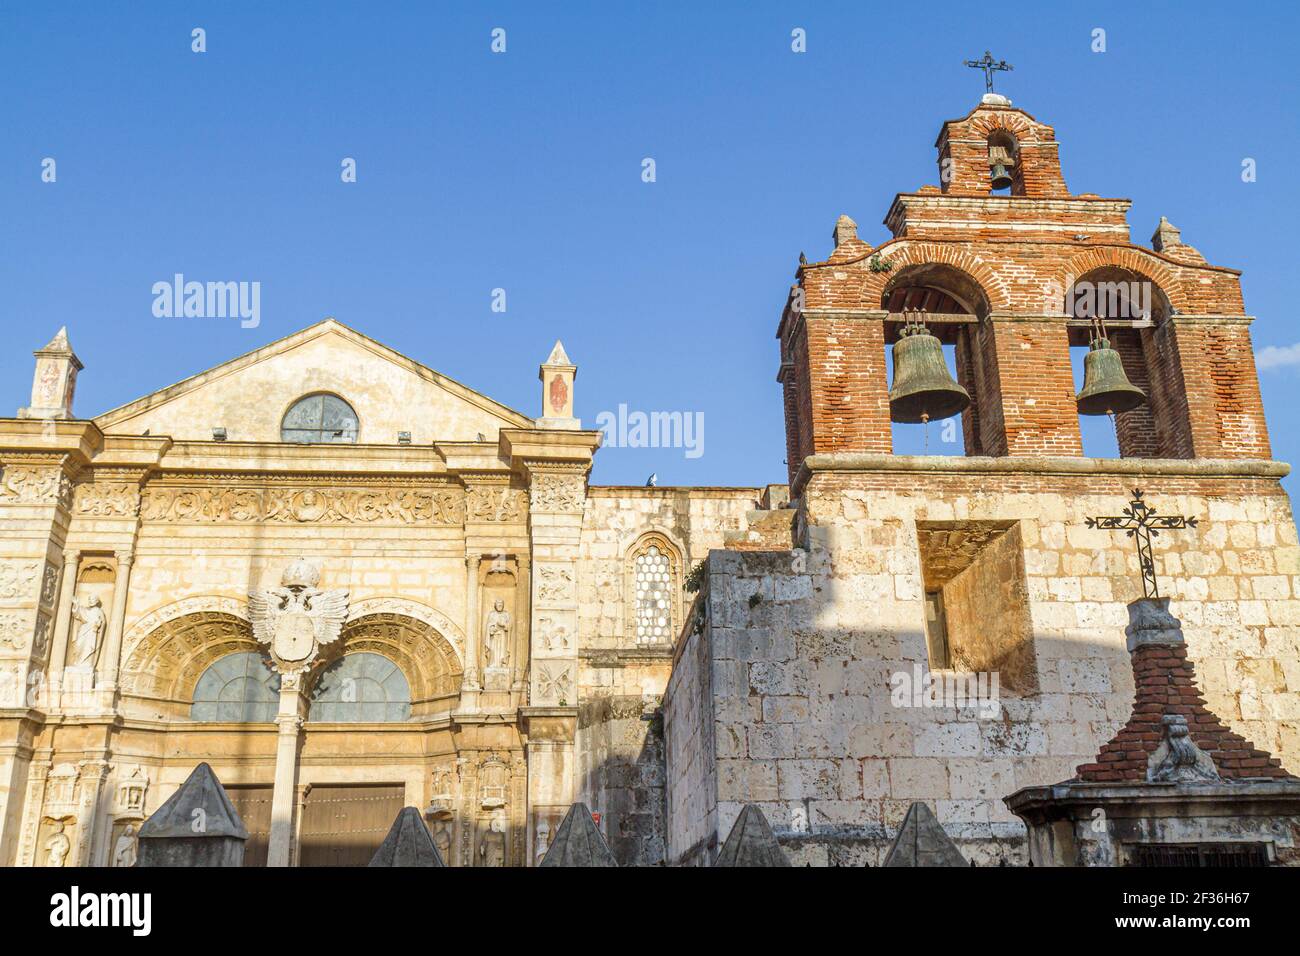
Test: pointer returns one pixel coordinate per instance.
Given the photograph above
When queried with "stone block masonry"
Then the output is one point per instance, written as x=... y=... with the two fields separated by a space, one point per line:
x=781 y=697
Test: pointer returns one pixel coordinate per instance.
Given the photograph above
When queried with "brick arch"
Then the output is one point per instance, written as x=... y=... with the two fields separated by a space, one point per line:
x=903 y=253
x=1017 y=124
x=1136 y=260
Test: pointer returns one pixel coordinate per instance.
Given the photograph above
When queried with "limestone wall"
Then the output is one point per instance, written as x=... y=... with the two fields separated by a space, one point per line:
x=693 y=714
x=620 y=747
x=803 y=652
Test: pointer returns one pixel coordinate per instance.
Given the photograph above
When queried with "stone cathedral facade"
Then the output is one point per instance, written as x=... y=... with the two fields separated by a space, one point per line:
x=351 y=584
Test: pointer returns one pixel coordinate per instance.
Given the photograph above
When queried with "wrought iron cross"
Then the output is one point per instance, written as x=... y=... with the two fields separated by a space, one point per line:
x=1141 y=522
x=989 y=66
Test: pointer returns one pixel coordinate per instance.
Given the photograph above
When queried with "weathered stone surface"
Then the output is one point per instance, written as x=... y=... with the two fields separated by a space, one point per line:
x=197 y=826
x=923 y=842
x=578 y=842
x=408 y=843
x=751 y=842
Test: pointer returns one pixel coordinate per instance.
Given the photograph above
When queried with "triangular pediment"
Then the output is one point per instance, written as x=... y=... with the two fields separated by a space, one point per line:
x=249 y=395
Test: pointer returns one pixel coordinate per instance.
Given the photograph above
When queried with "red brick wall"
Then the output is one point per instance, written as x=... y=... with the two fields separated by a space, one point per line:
x=1036 y=389
x=1023 y=253
x=847 y=385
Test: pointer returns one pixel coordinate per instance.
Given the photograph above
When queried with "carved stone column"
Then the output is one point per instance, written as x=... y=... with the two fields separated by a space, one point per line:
x=93 y=775
x=289 y=720
x=519 y=653
x=37 y=775
x=471 y=682
x=111 y=656
x=63 y=621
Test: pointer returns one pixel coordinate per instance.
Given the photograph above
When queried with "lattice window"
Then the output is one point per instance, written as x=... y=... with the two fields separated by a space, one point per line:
x=654 y=583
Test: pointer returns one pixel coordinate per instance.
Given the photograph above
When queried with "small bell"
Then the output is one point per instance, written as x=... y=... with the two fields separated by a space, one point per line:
x=1001 y=163
x=924 y=389
x=1106 y=389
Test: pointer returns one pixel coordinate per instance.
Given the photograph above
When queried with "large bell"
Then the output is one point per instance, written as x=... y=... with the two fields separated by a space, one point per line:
x=1106 y=389
x=924 y=389
x=1001 y=163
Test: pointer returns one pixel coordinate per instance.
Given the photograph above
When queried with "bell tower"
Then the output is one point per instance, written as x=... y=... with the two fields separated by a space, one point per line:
x=1007 y=269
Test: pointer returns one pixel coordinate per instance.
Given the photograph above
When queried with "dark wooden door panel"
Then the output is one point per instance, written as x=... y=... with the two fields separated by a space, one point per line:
x=343 y=826
x=254 y=807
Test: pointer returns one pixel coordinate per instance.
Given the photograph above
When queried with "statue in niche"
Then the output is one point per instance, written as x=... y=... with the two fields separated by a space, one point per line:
x=492 y=847
x=442 y=838
x=58 y=846
x=124 y=852
x=90 y=628
x=543 y=840
x=497 y=644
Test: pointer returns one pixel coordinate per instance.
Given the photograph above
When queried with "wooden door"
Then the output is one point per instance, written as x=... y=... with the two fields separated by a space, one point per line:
x=253 y=804
x=343 y=826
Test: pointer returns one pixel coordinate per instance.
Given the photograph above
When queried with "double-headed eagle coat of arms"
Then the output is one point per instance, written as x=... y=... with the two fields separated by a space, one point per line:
x=296 y=619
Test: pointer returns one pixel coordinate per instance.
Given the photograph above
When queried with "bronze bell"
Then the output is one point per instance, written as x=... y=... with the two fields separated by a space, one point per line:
x=1106 y=389
x=1001 y=162
x=924 y=389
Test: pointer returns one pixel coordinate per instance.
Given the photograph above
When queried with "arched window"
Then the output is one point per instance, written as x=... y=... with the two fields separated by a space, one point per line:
x=361 y=688
x=238 y=688
x=319 y=418
x=654 y=585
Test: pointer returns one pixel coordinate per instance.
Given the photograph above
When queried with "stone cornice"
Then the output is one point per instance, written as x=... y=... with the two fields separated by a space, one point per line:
x=850 y=462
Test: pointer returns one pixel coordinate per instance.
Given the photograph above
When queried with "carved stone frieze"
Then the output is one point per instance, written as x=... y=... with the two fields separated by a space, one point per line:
x=398 y=505
x=107 y=499
x=495 y=504
x=33 y=484
x=17 y=578
x=558 y=492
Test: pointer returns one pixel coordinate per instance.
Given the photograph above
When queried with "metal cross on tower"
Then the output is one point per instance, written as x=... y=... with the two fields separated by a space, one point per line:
x=1140 y=522
x=989 y=66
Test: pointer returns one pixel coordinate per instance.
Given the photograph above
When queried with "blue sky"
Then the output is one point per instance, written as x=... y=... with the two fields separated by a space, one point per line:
x=522 y=171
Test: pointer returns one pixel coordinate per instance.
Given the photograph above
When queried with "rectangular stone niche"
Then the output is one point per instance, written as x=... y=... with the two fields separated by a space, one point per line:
x=977 y=600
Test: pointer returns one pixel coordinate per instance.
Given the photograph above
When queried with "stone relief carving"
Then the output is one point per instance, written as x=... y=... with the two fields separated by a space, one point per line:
x=1178 y=759
x=296 y=619
x=131 y=793
x=49 y=585
x=493 y=783
x=13 y=631
x=58 y=846
x=305 y=505
x=558 y=492
x=62 y=790
x=444 y=783
x=500 y=504
x=554 y=684
x=554 y=634
x=555 y=583
x=17 y=578
x=41 y=641
x=444 y=625
x=107 y=500
x=31 y=485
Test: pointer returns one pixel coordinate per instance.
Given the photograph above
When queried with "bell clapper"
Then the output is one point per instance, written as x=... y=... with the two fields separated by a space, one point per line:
x=925 y=420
